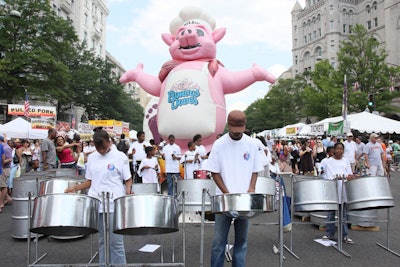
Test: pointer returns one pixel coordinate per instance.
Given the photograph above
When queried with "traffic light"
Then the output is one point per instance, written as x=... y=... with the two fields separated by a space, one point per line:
x=370 y=100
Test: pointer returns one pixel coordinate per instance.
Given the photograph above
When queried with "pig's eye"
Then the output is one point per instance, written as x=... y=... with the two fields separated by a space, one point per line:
x=199 y=32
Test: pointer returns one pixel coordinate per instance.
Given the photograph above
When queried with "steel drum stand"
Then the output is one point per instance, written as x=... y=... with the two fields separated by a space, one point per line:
x=37 y=259
x=387 y=236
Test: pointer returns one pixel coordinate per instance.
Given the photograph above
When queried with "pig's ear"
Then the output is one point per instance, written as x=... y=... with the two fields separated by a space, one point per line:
x=218 y=34
x=168 y=38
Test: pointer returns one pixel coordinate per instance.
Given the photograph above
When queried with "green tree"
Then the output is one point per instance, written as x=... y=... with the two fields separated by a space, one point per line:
x=33 y=52
x=362 y=59
x=323 y=98
x=281 y=106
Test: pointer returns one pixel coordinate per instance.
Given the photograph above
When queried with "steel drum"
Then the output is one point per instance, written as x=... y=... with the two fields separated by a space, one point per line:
x=315 y=195
x=371 y=192
x=59 y=184
x=145 y=214
x=193 y=189
x=201 y=174
x=146 y=188
x=28 y=183
x=265 y=186
x=62 y=172
x=65 y=215
x=242 y=205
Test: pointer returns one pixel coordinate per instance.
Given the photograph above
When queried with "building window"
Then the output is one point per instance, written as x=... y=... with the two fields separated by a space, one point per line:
x=85 y=36
x=331 y=25
x=295 y=28
x=295 y=42
x=315 y=34
x=368 y=9
x=350 y=28
x=319 y=32
x=344 y=28
x=296 y=61
x=305 y=39
x=376 y=22
x=369 y=25
x=375 y=6
x=309 y=37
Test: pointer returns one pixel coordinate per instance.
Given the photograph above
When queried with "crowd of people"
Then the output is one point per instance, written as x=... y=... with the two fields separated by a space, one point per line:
x=234 y=162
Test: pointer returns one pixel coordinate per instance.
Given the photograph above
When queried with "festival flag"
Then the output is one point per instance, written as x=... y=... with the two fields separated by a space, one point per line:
x=344 y=105
x=73 y=122
x=26 y=106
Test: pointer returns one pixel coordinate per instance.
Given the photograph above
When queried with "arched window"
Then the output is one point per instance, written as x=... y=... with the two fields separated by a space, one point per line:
x=368 y=8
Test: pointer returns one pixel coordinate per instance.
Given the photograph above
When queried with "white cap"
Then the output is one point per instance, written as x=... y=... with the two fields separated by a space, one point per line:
x=191 y=15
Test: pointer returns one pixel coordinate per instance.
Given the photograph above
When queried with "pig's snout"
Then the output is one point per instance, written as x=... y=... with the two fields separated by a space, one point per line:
x=188 y=39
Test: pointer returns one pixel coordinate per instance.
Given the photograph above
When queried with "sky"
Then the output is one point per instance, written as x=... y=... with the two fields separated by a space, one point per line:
x=259 y=32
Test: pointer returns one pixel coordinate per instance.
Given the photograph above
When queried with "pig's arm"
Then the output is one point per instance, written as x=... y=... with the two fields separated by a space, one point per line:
x=151 y=84
x=233 y=82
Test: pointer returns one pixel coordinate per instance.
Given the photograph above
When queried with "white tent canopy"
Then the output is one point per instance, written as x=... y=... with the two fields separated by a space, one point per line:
x=296 y=127
x=366 y=122
x=20 y=128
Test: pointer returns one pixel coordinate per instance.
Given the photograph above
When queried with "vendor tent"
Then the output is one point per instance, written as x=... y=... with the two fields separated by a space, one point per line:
x=366 y=122
x=20 y=128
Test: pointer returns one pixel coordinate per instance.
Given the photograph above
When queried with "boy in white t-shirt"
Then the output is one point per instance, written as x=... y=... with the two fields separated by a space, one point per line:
x=149 y=168
x=191 y=159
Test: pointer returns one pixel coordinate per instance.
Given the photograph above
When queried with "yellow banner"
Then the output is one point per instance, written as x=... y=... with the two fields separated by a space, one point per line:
x=103 y=123
x=291 y=130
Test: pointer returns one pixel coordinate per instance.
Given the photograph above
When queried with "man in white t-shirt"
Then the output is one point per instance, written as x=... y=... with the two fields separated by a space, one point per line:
x=350 y=150
x=234 y=163
x=172 y=156
x=137 y=152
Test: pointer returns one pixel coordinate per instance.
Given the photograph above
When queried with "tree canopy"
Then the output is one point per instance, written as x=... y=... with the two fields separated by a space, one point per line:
x=40 y=53
x=318 y=93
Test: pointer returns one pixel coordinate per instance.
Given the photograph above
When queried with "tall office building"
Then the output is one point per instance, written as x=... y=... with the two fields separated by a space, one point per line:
x=320 y=27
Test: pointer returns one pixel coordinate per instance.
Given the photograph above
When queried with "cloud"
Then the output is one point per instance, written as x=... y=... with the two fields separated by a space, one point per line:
x=267 y=23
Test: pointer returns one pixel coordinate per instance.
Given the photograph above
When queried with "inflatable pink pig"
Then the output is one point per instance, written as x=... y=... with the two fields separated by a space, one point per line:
x=192 y=86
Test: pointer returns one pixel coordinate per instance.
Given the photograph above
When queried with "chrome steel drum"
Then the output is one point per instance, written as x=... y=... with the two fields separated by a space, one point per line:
x=58 y=185
x=265 y=186
x=242 y=205
x=369 y=193
x=22 y=187
x=65 y=215
x=364 y=218
x=63 y=172
x=145 y=214
x=315 y=195
x=201 y=174
x=147 y=188
x=193 y=189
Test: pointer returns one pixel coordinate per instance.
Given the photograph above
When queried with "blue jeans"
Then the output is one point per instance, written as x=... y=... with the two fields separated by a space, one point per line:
x=117 y=248
x=331 y=228
x=221 y=231
x=170 y=182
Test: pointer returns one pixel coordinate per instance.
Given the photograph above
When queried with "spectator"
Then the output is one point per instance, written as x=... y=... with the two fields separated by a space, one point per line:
x=48 y=149
x=374 y=156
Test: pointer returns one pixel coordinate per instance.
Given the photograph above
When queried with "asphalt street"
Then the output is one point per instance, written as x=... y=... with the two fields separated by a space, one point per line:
x=263 y=235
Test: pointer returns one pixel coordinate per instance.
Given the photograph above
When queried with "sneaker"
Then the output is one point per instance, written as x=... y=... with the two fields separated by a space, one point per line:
x=325 y=237
x=347 y=240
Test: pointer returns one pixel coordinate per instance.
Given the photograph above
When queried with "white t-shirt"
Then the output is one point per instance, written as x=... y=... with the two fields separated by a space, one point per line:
x=140 y=154
x=333 y=167
x=235 y=161
x=350 y=150
x=107 y=173
x=261 y=151
x=201 y=150
x=191 y=166
x=149 y=175
x=89 y=149
x=171 y=165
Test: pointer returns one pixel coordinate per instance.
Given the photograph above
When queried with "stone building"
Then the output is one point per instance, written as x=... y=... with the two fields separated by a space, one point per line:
x=320 y=27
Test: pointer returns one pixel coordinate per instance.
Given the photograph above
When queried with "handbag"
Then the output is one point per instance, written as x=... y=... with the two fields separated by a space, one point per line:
x=286 y=204
x=15 y=159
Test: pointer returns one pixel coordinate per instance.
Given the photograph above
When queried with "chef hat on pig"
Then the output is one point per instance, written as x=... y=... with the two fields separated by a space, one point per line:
x=191 y=15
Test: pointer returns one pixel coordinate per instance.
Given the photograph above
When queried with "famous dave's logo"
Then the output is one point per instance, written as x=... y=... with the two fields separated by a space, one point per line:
x=246 y=156
x=183 y=93
x=111 y=167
